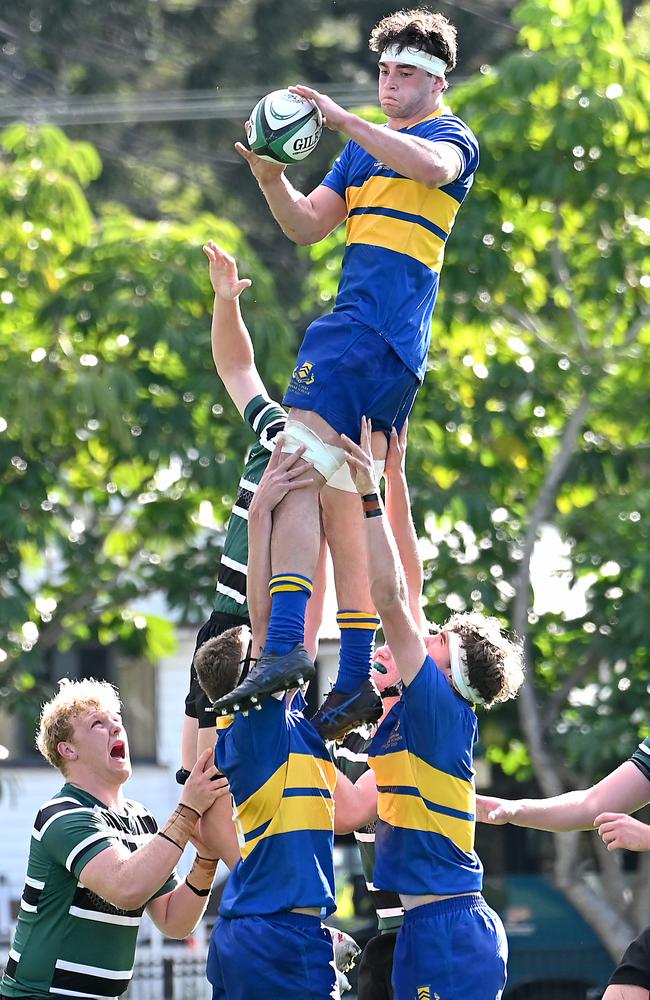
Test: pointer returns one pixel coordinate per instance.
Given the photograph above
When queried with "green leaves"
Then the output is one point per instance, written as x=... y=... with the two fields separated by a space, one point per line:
x=112 y=436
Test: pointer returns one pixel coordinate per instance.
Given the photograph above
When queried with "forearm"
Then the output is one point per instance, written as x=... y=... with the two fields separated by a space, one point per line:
x=232 y=348
x=387 y=584
x=218 y=834
x=574 y=810
x=408 y=155
x=292 y=211
x=398 y=510
x=181 y=913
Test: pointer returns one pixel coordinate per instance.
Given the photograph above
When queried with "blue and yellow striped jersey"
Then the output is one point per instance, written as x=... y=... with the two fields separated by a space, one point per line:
x=395 y=240
x=422 y=756
x=282 y=782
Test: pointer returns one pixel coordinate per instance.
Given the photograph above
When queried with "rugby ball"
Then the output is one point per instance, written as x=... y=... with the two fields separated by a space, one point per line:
x=284 y=127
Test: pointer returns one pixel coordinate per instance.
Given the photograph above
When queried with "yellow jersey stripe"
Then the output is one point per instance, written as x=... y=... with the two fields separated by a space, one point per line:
x=404 y=195
x=398 y=235
x=411 y=813
x=438 y=787
x=309 y=812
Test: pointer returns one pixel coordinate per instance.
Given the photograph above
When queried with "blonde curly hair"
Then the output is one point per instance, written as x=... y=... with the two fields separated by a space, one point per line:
x=71 y=700
x=495 y=660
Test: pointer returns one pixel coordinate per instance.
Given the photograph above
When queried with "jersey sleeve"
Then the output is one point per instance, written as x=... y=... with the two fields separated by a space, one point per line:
x=448 y=128
x=76 y=836
x=641 y=757
x=266 y=419
x=337 y=177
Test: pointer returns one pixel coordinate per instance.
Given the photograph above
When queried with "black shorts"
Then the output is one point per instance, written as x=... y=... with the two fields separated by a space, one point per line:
x=634 y=967
x=197 y=704
x=376 y=968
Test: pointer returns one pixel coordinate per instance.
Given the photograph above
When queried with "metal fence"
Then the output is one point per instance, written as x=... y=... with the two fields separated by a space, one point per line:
x=178 y=976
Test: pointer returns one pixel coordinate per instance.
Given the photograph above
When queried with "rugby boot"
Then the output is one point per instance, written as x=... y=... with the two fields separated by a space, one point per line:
x=343 y=711
x=269 y=675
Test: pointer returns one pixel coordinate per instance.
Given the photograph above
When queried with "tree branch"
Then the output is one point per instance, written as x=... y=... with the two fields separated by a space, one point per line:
x=529 y=713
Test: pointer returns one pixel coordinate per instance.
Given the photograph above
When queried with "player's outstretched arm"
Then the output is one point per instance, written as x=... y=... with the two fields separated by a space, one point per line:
x=232 y=348
x=387 y=584
x=304 y=219
x=430 y=163
x=622 y=791
x=398 y=509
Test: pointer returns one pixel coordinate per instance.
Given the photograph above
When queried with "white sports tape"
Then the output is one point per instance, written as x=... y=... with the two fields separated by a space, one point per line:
x=410 y=56
x=326 y=458
x=458 y=661
x=342 y=478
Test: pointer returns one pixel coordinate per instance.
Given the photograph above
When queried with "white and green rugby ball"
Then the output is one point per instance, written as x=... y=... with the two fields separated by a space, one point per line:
x=284 y=127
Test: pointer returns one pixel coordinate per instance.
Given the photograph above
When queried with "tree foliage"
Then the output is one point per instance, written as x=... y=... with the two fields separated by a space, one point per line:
x=118 y=448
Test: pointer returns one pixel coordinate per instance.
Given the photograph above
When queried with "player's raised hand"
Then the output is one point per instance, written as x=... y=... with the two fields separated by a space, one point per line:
x=360 y=460
x=396 y=455
x=617 y=830
x=204 y=785
x=334 y=116
x=223 y=273
x=284 y=473
x=264 y=171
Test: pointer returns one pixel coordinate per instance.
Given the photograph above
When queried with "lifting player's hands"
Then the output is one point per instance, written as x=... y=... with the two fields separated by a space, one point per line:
x=619 y=830
x=396 y=455
x=204 y=785
x=223 y=273
x=264 y=171
x=360 y=461
x=284 y=473
x=334 y=116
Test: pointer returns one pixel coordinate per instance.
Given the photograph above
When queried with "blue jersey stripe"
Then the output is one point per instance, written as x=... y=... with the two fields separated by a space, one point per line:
x=432 y=806
x=323 y=792
x=393 y=213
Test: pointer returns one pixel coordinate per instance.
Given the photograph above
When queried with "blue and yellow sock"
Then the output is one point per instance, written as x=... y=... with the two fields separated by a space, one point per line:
x=289 y=595
x=358 y=630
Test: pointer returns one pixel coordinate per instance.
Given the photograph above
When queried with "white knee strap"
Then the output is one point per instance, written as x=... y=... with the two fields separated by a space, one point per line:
x=342 y=478
x=326 y=458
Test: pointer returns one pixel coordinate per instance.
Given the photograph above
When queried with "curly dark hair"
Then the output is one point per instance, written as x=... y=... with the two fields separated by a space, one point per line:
x=217 y=663
x=495 y=661
x=419 y=28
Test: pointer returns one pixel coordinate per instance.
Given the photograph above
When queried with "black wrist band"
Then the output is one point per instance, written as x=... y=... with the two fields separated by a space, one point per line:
x=197 y=892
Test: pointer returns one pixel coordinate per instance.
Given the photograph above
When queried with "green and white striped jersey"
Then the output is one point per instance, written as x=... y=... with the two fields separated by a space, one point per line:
x=69 y=941
x=267 y=420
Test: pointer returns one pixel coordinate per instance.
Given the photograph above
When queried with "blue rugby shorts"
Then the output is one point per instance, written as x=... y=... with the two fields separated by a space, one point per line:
x=455 y=949
x=346 y=371
x=282 y=955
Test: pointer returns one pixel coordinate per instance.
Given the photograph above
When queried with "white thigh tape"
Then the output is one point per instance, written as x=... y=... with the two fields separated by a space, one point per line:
x=342 y=478
x=326 y=458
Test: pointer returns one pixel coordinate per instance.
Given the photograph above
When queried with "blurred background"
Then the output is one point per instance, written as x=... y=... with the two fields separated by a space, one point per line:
x=529 y=446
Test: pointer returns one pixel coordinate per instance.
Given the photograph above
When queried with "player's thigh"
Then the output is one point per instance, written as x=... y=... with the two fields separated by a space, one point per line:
x=346 y=537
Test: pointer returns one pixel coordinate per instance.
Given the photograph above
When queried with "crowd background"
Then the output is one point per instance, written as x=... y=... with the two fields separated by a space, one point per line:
x=528 y=446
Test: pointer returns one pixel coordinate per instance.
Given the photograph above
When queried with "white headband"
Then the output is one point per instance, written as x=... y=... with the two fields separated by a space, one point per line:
x=458 y=661
x=414 y=57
